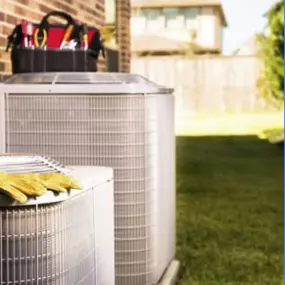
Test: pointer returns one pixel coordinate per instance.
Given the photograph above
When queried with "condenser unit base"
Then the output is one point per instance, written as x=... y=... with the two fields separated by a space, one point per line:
x=171 y=274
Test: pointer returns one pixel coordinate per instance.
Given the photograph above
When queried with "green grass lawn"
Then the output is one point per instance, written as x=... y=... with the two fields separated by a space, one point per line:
x=229 y=211
x=228 y=124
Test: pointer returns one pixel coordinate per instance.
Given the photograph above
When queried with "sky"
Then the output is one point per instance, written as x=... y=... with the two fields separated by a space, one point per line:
x=245 y=18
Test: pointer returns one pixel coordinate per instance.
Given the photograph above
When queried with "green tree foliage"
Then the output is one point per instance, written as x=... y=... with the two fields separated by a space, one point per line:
x=271 y=82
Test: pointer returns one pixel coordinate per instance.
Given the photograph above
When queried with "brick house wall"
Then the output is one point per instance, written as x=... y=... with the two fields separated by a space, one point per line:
x=123 y=15
x=92 y=12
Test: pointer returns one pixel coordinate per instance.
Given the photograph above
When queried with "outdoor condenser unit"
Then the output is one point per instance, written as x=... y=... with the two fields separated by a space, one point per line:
x=63 y=239
x=116 y=120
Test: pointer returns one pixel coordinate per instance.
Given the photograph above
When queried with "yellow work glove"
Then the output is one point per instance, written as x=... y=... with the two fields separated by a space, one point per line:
x=60 y=179
x=9 y=190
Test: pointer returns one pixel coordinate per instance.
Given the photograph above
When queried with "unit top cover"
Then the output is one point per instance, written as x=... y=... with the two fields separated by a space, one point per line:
x=14 y=163
x=109 y=83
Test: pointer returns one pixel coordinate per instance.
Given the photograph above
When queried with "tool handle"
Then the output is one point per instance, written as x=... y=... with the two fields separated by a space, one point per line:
x=68 y=32
x=67 y=35
x=24 y=26
x=85 y=36
x=40 y=38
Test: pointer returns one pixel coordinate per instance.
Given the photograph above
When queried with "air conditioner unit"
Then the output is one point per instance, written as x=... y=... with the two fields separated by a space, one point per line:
x=116 y=120
x=64 y=239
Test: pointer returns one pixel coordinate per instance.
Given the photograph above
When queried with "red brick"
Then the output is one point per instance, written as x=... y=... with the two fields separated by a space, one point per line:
x=33 y=9
x=2 y=66
x=11 y=19
x=24 y=2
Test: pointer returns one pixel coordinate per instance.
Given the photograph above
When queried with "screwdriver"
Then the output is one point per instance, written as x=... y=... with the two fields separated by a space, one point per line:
x=66 y=36
x=30 y=34
x=24 y=25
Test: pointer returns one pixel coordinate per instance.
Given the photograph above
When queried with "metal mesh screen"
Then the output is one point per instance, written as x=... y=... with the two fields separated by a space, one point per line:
x=119 y=131
x=52 y=244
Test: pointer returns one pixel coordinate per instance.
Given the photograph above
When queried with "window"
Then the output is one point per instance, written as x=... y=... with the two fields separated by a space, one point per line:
x=170 y=15
x=151 y=18
x=135 y=12
x=190 y=17
x=151 y=14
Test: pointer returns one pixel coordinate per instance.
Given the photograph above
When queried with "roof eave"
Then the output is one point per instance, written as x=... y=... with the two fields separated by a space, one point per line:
x=223 y=17
x=198 y=49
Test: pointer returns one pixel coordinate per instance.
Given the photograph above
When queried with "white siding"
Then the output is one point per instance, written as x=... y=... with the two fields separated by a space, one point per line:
x=209 y=32
x=138 y=25
x=206 y=27
x=219 y=31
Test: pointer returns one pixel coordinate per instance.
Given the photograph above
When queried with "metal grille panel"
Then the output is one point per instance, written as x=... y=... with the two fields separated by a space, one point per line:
x=118 y=131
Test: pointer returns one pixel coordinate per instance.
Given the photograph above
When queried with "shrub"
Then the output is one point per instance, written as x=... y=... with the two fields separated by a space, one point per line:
x=271 y=42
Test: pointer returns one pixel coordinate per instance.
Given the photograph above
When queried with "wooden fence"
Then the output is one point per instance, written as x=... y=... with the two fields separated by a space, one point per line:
x=207 y=85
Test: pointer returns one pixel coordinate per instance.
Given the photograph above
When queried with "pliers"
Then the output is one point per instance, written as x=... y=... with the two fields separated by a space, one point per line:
x=40 y=38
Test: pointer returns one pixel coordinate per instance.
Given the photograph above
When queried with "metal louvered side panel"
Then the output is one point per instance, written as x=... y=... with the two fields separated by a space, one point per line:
x=116 y=131
x=50 y=245
x=165 y=186
x=104 y=234
x=2 y=123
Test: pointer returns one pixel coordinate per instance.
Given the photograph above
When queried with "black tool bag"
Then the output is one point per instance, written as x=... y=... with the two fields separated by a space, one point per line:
x=51 y=57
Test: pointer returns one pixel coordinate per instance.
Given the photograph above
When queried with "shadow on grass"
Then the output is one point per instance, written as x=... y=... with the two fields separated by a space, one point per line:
x=229 y=211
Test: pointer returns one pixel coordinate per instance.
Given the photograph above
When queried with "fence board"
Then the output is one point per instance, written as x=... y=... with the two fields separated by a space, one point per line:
x=204 y=85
